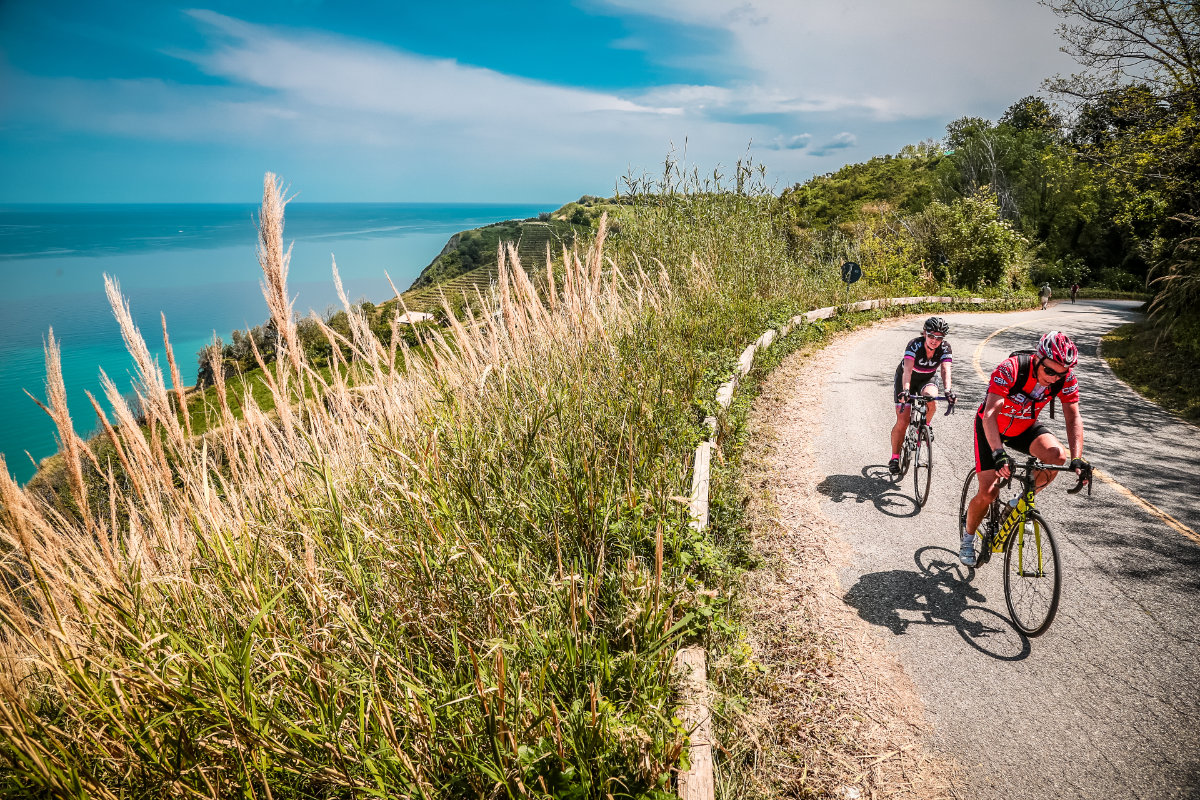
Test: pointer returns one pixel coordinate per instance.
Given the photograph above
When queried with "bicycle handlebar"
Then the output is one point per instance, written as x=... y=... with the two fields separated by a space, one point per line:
x=926 y=399
x=1032 y=464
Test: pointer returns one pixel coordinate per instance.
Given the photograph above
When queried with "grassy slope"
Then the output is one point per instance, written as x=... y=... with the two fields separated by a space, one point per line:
x=483 y=564
x=474 y=251
x=1155 y=368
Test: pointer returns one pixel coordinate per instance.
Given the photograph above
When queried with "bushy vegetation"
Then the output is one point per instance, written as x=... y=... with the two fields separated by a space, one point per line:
x=452 y=570
x=1100 y=190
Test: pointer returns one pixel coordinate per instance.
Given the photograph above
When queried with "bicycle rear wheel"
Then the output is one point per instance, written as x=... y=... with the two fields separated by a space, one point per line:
x=922 y=466
x=905 y=459
x=1032 y=576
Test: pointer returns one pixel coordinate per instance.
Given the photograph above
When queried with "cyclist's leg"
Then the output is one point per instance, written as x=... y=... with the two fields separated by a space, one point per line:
x=902 y=412
x=989 y=482
x=930 y=389
x=1046 y=447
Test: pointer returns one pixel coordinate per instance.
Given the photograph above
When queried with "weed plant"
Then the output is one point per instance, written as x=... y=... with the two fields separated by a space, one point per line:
x=455 y=570
x=461 y=578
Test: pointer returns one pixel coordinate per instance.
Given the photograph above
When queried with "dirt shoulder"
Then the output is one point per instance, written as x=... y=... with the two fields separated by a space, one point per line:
x=833 y=712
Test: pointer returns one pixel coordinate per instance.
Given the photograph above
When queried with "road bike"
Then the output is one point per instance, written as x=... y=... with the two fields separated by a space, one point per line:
x=917 y=448
x=1014 y=527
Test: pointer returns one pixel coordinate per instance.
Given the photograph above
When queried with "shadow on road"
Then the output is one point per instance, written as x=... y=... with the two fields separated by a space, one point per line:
x=874 y=485
x=936 y=594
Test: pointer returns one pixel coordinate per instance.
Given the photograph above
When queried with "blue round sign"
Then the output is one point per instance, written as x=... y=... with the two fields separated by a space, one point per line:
x=851 y=272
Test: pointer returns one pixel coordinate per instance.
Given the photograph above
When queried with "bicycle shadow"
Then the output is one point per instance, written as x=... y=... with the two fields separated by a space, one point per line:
x=937 y=593
x=875 y=485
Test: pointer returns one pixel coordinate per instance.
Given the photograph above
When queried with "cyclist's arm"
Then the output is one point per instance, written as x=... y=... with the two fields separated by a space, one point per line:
x=1074 y=423
x=946 y=377
x=906 y=378
x=991 y=428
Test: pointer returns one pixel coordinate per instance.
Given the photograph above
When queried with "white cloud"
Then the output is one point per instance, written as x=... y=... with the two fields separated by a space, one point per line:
x=816 y=83
x=367 y=113
x=782 y=142
x=888 y=60
x=842 y=141
x=337 y=73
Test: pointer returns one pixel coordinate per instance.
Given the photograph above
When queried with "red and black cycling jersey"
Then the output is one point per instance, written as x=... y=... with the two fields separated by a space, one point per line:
x=922 y=361
x=1023 y=403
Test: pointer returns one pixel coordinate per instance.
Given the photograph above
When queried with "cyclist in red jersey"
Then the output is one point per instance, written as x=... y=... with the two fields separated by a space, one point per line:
x=1018 y=391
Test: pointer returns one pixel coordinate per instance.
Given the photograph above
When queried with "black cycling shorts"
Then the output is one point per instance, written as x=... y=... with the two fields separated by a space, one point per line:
x=919 y=379
x=1021 y=442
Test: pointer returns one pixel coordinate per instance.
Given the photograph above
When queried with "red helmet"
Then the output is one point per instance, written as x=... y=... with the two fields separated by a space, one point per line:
x=1057 y=346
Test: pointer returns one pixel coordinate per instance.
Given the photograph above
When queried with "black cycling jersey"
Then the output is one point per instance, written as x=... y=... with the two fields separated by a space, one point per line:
x=924 y=363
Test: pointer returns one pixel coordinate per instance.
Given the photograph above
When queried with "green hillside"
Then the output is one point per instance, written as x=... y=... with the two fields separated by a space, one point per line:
x=475 y=250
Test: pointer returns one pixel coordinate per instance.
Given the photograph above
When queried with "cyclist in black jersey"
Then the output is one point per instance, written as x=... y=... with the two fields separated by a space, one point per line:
x=923 y=357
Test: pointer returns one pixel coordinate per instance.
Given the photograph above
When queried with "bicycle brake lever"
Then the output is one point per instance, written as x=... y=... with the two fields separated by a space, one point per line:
x=1079 y=486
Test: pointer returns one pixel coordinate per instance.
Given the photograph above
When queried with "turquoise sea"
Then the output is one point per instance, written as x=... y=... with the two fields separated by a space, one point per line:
x=194 y=263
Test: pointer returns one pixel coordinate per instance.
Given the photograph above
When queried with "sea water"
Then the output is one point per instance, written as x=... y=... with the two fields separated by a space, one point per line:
x=196 y=265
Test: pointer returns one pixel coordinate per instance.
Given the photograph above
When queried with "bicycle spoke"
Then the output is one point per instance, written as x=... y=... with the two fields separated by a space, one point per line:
x=1032 y=579
x=923 y=467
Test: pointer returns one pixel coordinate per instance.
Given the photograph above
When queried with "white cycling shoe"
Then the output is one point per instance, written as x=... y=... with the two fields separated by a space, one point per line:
x=966 y=553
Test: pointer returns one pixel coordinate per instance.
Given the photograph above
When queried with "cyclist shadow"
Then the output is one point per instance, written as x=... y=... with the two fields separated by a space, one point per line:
x=875 y=485
x=937 y=594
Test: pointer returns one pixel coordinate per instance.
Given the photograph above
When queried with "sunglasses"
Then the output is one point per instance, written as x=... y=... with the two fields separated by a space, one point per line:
x=1058 y=375
x=936 y=336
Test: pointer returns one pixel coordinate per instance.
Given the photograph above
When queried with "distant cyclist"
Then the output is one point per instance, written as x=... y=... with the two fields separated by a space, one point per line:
x=1020 y=388
x=915 y=374
x=1074 y=291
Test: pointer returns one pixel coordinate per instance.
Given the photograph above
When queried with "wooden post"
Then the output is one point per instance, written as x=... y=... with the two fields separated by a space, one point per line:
x=697 y=782
x=698 y=507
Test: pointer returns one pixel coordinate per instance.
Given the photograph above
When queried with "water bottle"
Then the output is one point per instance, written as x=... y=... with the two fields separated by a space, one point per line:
x=1028 y=521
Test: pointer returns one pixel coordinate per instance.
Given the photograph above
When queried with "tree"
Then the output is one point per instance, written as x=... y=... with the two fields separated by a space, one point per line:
x=1117 y=42
x=1034 y=114
x=207 y=357
x=1139 y=116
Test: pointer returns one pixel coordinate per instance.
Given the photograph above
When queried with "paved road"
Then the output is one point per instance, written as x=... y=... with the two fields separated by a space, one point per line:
x=1106 y=704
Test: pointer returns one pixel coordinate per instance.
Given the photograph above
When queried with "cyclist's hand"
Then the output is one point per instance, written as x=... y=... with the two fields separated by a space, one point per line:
x=1003 y=463
x=951 y=399
x=901 y=398
x=1084 y=470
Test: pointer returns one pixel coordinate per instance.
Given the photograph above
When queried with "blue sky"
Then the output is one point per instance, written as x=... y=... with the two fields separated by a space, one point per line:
x=125 y=101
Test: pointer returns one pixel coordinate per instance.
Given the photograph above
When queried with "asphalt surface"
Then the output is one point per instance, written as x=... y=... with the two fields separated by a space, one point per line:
x=1106 y=703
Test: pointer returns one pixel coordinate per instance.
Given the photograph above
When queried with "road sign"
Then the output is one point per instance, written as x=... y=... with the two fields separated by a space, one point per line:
x=851 y=272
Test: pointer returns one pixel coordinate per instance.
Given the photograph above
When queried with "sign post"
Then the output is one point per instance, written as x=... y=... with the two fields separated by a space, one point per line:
x=851 y=272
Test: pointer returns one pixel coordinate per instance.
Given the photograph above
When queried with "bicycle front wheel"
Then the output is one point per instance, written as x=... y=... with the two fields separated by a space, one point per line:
x=970 y=487
x=1032 y=576
x=922 y=466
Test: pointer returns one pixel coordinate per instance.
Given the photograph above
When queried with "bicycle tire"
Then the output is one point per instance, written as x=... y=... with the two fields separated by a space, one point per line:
x=1032 y=594
x=905 y=460
x=968 y=491
x=922 y=466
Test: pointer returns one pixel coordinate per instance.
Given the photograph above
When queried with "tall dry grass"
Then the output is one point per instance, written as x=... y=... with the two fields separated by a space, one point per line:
x=454 y=571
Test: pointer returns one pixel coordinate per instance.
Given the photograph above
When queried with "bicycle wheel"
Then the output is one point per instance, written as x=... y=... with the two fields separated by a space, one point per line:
x=922 y=466
x=905 y=459
x=1032 y=576
x=970 y=486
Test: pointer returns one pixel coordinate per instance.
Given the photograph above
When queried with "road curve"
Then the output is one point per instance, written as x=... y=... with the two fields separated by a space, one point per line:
x=1106 y=704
